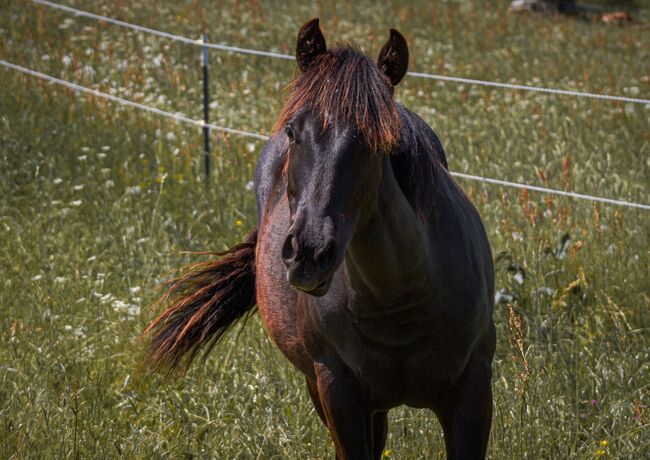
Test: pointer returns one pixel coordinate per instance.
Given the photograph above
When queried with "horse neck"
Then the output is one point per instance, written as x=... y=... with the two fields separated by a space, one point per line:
x=389 y=258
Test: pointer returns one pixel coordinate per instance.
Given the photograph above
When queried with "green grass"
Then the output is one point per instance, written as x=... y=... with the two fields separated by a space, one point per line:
x=98 y=203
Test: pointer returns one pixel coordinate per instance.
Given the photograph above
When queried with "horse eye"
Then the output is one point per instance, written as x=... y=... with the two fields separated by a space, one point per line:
x=290 y=134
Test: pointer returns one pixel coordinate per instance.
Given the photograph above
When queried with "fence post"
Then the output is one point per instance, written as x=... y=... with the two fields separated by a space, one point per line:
x=206 y=109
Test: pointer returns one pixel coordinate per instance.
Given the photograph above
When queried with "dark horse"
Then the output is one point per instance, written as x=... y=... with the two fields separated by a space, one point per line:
x=370 y=267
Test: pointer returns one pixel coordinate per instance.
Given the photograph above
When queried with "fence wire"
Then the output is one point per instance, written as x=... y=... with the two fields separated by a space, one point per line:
x=271 y=54
x=259 y=136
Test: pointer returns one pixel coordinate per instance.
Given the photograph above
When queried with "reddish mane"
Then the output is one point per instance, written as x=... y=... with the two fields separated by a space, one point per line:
x=344 y=86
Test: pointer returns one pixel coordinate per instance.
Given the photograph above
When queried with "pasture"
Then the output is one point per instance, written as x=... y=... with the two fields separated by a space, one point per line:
x=99 y=203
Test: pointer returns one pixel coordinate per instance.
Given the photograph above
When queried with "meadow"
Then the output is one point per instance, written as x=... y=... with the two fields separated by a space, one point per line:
x=99 y=204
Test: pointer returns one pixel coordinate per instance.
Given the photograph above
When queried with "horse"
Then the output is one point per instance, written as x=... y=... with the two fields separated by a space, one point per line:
x=370 y=267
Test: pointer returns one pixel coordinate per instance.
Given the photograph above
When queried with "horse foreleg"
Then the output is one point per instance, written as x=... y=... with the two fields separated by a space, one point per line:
x=379 y=433
x=348 y=420
x=312 y=386
x=467 y=418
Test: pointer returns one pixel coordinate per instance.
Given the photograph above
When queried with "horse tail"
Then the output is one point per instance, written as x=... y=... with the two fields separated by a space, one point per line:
x=201 y=305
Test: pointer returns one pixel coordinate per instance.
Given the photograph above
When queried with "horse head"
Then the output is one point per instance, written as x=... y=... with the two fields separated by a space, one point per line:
x=339 y=121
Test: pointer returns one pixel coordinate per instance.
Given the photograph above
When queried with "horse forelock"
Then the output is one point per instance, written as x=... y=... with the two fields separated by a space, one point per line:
x=346 y=87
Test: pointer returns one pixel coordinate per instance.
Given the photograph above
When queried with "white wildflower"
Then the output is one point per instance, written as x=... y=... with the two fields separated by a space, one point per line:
x=76 y=203
x=249 y=185
x=60 y=279
x=107 y=298
x=78 y=188
x=67 y=22
x=88 y=71
x=135 y=289
x=519 y=277
x=66 y=60
x=134 y=190
x=37 y=277
x=57 y=181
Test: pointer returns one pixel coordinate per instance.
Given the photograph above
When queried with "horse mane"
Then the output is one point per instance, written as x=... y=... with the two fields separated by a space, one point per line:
x=345 y=86
x=420 y=166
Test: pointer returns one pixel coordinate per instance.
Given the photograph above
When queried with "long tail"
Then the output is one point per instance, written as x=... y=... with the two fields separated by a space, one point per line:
x=202 y=304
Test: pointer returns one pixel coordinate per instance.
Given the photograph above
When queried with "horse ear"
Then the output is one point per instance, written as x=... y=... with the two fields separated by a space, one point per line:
x=393 y=58
x=310 y=44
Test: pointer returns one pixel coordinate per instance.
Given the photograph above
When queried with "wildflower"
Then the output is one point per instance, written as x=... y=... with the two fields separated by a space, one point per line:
x=88 y=71
x=37 y=277
x=600 y=453
x=387 y=453
x=60 y=279
x=519 y=277
x=75 y=203
x=249 y=185
x=604 y=443
x=67 y=60
x=133 y=310
x=239 y=223
x=250 y=147
x=57 y=181
x=78 y=188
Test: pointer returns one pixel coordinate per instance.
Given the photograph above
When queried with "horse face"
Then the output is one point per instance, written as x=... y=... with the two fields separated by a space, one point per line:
x=331 y=175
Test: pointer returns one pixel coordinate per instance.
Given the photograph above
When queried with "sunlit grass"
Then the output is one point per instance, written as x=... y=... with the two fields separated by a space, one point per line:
x=99 y=202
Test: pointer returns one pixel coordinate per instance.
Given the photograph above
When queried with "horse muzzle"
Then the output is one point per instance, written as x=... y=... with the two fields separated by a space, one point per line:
x=309 y=270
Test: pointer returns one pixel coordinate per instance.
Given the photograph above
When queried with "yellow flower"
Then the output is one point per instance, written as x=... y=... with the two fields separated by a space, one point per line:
x=387 y=453
x=600 y=453
x=239 y=223
x=604 y=443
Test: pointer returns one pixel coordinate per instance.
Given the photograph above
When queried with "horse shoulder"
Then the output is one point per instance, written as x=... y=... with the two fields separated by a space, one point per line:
x=268 y=172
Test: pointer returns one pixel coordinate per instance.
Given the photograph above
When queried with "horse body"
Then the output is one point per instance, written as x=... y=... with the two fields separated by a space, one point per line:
x=398 y=300
x=372 y=269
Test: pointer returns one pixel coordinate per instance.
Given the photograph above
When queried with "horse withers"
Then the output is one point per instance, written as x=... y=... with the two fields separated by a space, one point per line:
x=370 y=267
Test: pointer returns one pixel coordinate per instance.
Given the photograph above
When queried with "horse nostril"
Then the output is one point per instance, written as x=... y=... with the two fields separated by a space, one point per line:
x=324 y=257
x=290 y=248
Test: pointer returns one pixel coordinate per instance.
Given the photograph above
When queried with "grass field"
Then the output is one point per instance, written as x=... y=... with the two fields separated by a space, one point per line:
x=99 y=202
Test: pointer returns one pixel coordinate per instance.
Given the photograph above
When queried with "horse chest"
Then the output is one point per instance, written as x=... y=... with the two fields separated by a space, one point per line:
x=398 y=358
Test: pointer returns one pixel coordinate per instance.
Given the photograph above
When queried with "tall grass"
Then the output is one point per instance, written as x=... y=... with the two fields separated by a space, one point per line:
x=98 y=204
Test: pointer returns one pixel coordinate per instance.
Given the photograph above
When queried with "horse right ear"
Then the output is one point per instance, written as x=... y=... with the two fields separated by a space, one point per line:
x=310 y=44
x=393 y=58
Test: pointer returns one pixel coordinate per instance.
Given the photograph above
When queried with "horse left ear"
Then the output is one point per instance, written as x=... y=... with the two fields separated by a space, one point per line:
x=310 y=44
x=393 y=58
